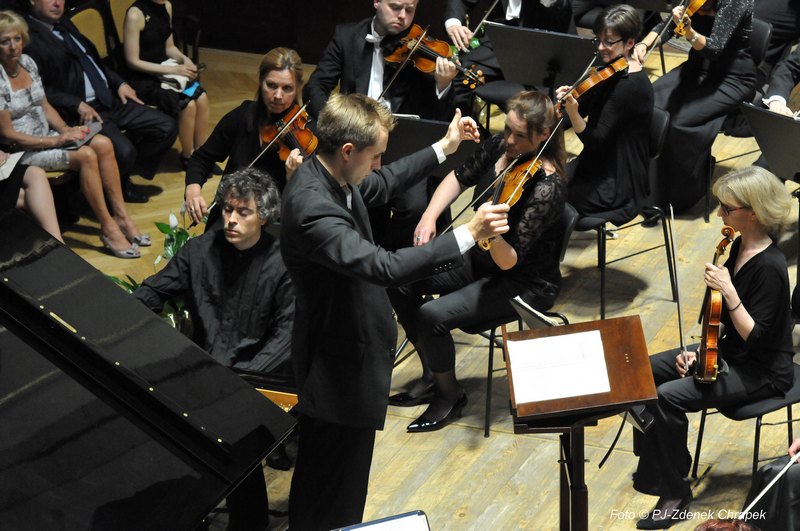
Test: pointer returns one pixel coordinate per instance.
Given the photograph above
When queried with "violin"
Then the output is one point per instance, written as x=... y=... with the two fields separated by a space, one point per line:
x=595 y=78
x=421 y=50
x=290 y=132
x=693 y=7
x=510 y=185
x=707 y=367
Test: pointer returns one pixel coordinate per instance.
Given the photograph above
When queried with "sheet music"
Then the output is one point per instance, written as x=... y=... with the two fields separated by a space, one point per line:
x=8 y=167
x=549 y=368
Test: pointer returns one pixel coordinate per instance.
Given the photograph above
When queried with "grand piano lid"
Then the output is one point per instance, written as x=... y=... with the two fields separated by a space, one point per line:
x=109 y=415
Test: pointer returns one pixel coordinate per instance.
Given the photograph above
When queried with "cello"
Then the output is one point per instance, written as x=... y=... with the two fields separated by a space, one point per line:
x=706 y=366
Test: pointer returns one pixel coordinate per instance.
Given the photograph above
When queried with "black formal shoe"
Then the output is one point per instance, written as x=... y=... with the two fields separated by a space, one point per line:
x=404 y=399
x=424 y=424
x=131 y=195
x=666 y=514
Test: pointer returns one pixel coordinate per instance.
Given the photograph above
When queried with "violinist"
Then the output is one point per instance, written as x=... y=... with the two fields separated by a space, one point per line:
x=754 y=346
x=718 y=75
x=524 y=261
x=354 y=60
x=616 y=136
x=238 y=135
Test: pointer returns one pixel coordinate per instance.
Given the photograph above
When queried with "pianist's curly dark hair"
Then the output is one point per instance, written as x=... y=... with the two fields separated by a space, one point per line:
x=250 y=182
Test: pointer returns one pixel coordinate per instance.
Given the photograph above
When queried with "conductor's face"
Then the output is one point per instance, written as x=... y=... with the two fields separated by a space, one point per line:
x=358 y=163
x=394 y=16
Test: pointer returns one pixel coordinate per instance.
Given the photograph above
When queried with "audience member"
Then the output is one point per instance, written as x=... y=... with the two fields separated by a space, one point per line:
x=26 y=187
x=29 y=122
x=83 y=89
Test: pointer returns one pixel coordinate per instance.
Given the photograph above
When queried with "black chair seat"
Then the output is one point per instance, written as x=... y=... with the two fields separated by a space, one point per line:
x=755 y=410
x=498 y=92
x=589 y=223
x=768 y=405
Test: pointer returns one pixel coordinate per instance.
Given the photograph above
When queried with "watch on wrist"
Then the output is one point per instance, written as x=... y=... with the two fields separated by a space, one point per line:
x=694 y=39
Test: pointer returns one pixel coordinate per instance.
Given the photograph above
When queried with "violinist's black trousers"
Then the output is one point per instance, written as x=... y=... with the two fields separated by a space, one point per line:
x=664 y=459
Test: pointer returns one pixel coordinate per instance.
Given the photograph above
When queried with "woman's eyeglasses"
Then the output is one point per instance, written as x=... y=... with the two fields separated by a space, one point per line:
x=727 y=210
x=605 y=42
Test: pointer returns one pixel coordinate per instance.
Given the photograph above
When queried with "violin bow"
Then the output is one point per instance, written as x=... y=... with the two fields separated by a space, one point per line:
x=485 y=16
x=780 y=474
x=269 y=145
x=404 y=63
x=500 y=177
x=677 y=288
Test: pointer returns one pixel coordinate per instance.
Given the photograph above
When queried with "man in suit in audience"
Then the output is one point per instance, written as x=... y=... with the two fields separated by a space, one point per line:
x=83 y=89
x=344 y=334
x=354 y=59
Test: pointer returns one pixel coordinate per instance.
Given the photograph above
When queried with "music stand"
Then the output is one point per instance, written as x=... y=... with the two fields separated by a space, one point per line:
x=537 y=58
x=777 y=136
x=630 y=381
x=412 y=134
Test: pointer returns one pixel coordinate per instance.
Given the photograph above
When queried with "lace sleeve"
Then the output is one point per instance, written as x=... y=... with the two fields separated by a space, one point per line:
x=542 y=209
x=482 y=161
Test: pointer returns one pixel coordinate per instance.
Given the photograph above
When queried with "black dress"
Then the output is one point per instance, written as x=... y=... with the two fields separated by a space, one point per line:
x=700 y=93
x=152 y=48
x=615 y=152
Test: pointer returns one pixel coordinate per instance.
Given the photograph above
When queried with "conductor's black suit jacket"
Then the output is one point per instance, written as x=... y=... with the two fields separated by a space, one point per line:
x=344 y=334
x=347 y=61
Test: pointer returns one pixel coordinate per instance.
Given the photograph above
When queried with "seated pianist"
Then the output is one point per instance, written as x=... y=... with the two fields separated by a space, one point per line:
x=233 y=282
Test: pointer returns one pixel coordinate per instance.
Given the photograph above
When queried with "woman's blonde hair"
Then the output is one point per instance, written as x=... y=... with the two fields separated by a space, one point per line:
x=10 y=21
x=760 y=191
x=352 y=118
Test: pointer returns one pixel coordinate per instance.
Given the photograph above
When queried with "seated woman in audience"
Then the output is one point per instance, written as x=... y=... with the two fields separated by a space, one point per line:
x=718 y=75
x=148 y=44
x=27 y=188
x=616 y=136
x=30 y=123
x=237 y=136
x=755 y=345
x=523 y=262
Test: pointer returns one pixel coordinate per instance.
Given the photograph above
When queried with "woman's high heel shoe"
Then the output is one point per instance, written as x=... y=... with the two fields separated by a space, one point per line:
x=143 y=240
x=130 y=252
x=425 y=424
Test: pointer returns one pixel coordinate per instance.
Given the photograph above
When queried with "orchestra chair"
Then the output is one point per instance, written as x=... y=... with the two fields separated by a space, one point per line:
x=488 y=329
x=755 y=410
x=735 y=125
x=94 y=20
x=651 y=214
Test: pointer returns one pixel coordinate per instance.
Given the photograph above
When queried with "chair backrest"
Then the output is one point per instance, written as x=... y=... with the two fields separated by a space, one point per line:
x=118 y=9
x=759 y=40
x=93 y=20
x=659 y=123
x=568 y=222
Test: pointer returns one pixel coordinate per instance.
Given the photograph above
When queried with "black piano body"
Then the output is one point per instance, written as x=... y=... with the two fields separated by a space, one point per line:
x=109 y=418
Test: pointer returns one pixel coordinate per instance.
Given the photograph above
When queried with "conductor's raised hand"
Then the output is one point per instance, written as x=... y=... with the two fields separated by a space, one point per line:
x=489 y=221
x=460 y=128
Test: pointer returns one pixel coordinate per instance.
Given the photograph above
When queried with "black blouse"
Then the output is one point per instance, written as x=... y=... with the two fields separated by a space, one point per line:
x=763 y=286
x=535 y=229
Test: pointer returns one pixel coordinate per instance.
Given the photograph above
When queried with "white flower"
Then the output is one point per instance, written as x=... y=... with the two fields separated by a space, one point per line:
x=173 y=221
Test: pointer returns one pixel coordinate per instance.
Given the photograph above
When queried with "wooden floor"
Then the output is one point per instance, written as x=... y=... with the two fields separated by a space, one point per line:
x=459 y=478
